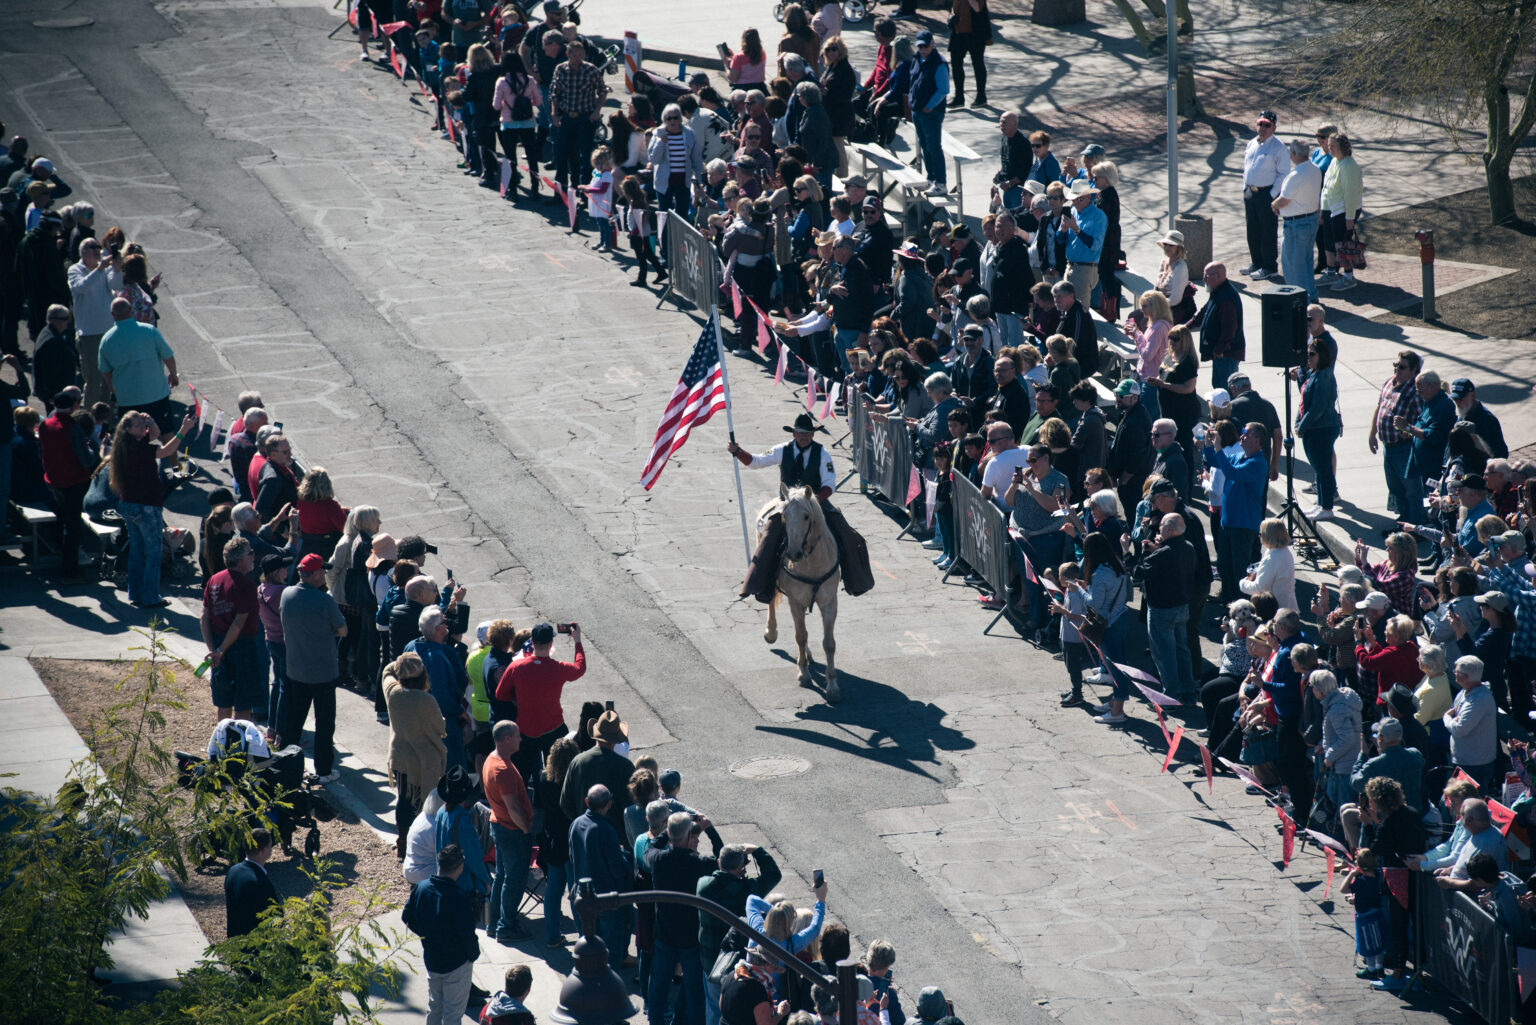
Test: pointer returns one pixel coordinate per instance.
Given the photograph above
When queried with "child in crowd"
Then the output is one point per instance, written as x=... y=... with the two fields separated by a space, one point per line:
x=101 y=415
x=506 y=1007
x=600 y=197
x=1070 y=606
x=1363 y=884
x=944 y=512
x=642 y=230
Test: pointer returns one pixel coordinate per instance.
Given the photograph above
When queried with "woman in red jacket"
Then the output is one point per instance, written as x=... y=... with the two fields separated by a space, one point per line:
x=321 y=518
x=1397 y=662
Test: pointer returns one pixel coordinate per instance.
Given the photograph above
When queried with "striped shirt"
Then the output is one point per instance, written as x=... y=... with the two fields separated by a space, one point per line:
x=677 y=152
x=1514 y=583
x=1396 y=400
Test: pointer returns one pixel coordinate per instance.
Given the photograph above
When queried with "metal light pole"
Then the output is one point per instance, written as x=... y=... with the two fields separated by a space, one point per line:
x=593 y=994
x=1173 y=113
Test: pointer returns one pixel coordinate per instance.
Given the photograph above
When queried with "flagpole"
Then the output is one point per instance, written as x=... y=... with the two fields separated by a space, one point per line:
x=725 y=380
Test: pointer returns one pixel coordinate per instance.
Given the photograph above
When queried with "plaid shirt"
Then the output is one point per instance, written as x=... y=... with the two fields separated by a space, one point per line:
x=576 y=92
x=1396 y=400
x=1514 y=583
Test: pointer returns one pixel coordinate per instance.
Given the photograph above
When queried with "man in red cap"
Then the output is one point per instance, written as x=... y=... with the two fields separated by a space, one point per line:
x=312 y=623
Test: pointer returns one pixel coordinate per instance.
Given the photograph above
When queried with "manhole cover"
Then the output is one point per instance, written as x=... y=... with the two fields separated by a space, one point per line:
x=770 y=767
x=75 y=22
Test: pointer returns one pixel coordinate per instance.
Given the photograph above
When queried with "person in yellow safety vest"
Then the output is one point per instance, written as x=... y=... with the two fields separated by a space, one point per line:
x=479 y=699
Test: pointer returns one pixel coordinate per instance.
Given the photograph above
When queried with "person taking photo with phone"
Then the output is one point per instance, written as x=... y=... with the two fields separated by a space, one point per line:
x=535 y=682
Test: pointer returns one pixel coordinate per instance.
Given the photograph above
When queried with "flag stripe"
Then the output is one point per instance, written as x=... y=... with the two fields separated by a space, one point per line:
x=699 y=395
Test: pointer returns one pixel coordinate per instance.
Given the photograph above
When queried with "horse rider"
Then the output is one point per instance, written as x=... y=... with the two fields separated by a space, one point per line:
x=803 y=462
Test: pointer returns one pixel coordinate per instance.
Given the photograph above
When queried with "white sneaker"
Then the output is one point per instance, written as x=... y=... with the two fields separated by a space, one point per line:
x=1109 y=719
x=1099 y=677
x=1310 y=489
x=1327 y=277
x=1248 y=270
x=933 y=544
x=331 y=777
x=1345 y=282
x=937 y=189
x=1260 y=275
x=1320 y=514
x=1104 y=709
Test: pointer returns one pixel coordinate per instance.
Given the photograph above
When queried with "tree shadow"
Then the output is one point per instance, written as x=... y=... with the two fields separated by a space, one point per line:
x=903 y=733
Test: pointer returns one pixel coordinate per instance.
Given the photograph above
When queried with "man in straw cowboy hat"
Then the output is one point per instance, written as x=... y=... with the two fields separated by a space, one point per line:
x=1083 y=227
x=803 y=462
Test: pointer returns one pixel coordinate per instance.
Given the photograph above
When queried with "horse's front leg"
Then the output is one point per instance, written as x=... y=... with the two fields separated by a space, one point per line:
x=802 y=641
x=829 y=645
x=771 y=634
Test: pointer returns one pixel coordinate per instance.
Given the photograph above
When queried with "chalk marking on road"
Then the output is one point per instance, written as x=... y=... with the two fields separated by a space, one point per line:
x=889 y=575
x=1119 y=816
x=367 y=95
x=1082 y=815
x=918 y=644
x=556 y=262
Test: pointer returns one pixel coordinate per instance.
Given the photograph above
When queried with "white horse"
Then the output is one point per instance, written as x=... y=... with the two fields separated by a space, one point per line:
x=809 y=576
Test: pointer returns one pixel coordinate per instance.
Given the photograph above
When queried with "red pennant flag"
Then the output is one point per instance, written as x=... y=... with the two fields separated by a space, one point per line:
x=810 y=391
x=1287 y=836
x=914 y=486
x=778 y=376
x=1029 y=570
x=827 y=412
x=1398 y=881
x=1460 y=774
x=1173 y=746
x=453 y=133
x=1328 y=856
x=395 y=61
x=1210 y=775
x=1502 y=817
x=1244 y=775
x=506 y=175
x=735 y=299
x=352 y=16
x=390 y=28
x=764 y=337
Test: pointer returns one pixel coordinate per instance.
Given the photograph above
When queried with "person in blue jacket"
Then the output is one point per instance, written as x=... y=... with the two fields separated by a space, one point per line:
x=1320 y=426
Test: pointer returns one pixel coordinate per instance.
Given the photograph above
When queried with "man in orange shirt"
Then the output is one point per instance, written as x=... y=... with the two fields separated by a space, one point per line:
x=511 y=828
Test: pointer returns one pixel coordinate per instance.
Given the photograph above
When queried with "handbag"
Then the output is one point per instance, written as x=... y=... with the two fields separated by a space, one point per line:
x=1094 y=624
x=732 y=949
x=1259 y=746
x=1351 y=253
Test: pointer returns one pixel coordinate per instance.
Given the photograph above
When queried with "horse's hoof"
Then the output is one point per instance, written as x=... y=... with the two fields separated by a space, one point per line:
x=770 y=636
x=805 y=681
x=834 y=693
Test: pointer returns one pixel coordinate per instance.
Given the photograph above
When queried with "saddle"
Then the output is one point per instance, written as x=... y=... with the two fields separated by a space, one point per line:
x=853 y=557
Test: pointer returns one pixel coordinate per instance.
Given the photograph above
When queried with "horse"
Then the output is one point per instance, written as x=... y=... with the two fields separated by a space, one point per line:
x=810 y=575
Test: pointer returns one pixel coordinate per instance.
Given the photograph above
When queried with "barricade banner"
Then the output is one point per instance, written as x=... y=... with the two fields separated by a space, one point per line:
x=984 y=542
x=890 y=459
x=692 y=262
x=1464 y=950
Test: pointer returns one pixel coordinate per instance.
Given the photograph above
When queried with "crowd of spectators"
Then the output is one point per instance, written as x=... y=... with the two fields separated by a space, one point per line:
x=1356 y=713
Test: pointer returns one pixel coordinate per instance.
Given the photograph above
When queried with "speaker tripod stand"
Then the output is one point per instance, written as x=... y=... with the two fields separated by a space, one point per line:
x=1295 y=520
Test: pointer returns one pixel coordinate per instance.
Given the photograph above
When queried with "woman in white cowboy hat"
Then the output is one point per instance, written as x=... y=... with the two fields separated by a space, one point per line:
x=1173 y=275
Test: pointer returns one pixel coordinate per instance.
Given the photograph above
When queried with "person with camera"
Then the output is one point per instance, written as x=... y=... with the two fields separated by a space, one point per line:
x=534 y=684
x=1166 y=569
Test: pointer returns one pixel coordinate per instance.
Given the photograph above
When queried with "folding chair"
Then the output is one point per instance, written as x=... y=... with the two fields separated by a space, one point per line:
x=533 y=892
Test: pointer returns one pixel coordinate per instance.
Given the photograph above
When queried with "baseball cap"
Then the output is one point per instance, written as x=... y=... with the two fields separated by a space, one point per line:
x=973 y=331
x=1461 y=387
x=543 y=633
x=1268 y=115
x=1129 y=386
x=670 y=779
x=931 y=1005
x=1475 y=482
x=1376 y=601
x=1219 y=397
x=1510 y=539
x=1093 y=150
x=871 y=202
x=962 y=265
x=311 y=563
x=1165 y=487
x=855 y=181
x=923 y=38
x=1494 y=599
x=1388 y=729
x=43 y=164
x=274 y=561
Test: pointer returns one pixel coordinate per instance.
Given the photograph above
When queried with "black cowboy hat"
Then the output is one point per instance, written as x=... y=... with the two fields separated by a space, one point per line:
x=803 y=422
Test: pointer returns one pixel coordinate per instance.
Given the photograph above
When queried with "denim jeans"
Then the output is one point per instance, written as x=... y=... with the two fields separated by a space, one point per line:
x=1222 y=367
x=1011 y=328
x=1318 y=446
x=512 y=849
x=846 y=338
x=554 y=900
x=663 y=958
x=929 y=125
x=1151 y=401
x=277 y=709
x=711 y=1002
x=1168 y=639
x=573 y=147
x=613 y=927
x=1296 y=238
x=1394 y=461
x=146 y=526
x=1115 y=647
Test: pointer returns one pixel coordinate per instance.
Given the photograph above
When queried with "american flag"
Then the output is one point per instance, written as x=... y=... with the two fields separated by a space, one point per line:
x=700 y=393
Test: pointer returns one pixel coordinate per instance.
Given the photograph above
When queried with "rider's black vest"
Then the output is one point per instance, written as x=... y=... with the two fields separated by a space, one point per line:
x=793 y=475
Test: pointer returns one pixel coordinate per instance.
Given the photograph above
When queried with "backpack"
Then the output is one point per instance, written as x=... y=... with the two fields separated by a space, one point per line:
x=522 y=106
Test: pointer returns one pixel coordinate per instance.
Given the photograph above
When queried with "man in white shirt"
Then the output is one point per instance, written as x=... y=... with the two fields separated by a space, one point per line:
x=92 y=284
x=1297 y=205
x=1264 y=167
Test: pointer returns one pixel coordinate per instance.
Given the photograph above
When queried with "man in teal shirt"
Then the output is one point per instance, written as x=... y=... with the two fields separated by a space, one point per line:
x=130 y=361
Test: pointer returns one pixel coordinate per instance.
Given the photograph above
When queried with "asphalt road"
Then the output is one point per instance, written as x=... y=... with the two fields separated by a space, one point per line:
x=492 y=384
